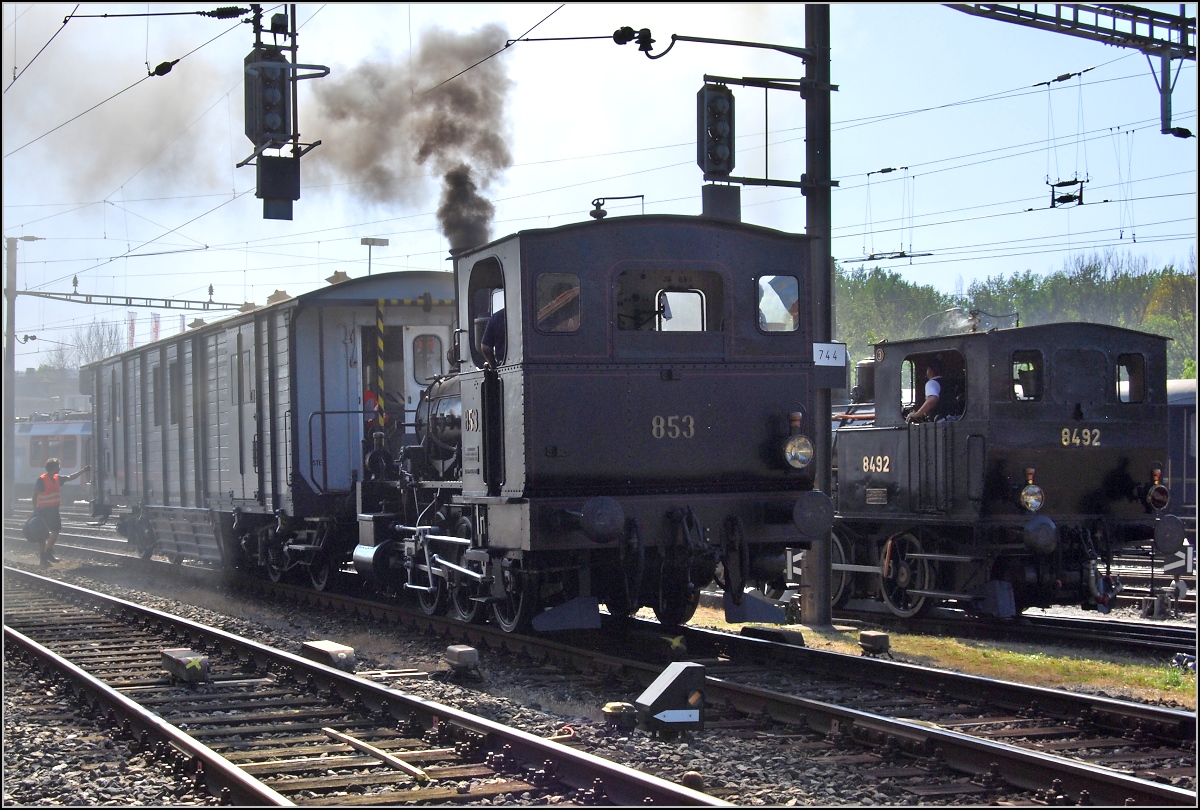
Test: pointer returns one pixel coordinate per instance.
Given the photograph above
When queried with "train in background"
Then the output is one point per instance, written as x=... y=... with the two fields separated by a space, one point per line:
x=1181 y=454
x=1048 y=454
x=644 y=426
x=39 y=437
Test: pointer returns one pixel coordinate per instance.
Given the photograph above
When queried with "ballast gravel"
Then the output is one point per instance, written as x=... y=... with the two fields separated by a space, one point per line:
x=75 y=764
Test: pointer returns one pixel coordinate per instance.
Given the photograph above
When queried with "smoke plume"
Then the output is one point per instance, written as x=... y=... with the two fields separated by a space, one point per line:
x=386 y=127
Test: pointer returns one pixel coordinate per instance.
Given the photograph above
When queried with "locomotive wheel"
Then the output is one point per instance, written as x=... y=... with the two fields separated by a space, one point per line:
x=433 y=602
x=676 y=606
x=517 y=609
x=624 y=596
x=320 y=571
x=903 y=573
x=462 y=606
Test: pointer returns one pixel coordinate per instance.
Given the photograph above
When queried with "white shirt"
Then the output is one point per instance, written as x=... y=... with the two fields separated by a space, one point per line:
x=933 y=388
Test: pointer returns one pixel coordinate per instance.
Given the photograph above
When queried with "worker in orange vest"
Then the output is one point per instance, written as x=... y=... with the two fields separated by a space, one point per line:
x=47 y=497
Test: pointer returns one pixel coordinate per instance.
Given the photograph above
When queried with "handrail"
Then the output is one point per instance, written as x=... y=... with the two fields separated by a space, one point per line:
x=322 y=486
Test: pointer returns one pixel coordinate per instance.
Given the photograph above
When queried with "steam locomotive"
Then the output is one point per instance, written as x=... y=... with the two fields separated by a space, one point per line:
x=1046 y=456
x=604 y=412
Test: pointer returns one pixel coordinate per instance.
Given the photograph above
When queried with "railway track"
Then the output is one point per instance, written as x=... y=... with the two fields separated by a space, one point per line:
x=1162 y=640
x=267 y=727
x=1151 y=637
x=934 y=726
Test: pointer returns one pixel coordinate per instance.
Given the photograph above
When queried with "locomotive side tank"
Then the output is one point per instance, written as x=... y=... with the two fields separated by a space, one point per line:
x=1045 y=456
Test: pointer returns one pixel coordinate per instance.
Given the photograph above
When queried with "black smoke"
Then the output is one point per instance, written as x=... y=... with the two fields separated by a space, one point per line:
x=385 y=128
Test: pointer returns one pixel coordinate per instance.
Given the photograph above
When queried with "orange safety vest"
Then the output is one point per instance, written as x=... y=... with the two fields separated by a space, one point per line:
x=52 y=494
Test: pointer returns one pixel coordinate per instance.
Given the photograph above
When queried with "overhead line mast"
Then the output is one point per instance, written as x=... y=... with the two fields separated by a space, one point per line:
x=1154 y=33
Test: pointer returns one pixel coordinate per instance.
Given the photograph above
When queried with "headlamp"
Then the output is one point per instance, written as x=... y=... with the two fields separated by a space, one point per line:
x=798 y=450
x=1032 y=497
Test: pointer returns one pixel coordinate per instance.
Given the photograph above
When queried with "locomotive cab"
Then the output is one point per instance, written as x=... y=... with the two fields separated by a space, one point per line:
x=633 y=395
x=1042 y=458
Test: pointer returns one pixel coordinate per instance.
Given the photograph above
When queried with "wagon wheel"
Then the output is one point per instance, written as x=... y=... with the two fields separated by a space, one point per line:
x=518 y=607
x=142 y=538
x=839 y=590
x=275 y=565
x=321 y=571
x=463 y=589
x=902 y=573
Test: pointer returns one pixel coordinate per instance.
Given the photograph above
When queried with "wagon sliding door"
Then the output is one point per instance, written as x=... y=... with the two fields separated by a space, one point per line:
x=244 y=407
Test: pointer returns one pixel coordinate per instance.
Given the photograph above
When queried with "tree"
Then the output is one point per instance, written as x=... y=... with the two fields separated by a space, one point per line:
x=875 y=304
x=87 y=344
x=1172 y=312
x=96 y=341
x=1111 y=288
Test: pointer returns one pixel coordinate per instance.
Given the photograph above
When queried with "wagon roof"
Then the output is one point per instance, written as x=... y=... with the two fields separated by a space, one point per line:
x=1181 y=391
x=397 y=285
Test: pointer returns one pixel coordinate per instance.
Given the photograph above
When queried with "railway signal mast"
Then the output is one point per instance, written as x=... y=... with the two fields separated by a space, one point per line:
x=1154 y=33
x=272 y=118
x=715 y=156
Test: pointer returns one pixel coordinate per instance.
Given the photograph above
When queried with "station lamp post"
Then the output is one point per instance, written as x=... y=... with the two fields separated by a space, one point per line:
x=10 y=364
x=372 y=243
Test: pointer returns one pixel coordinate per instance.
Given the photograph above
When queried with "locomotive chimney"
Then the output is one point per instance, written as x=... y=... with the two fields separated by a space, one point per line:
x=721 y=202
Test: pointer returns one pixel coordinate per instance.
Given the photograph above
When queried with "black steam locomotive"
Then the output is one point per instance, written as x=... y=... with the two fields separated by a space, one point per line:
x=604 y=412
x=1043 y=457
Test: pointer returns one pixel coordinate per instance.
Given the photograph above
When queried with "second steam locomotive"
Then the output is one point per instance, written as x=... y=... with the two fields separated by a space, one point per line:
x=604 y=412
x=1044 y=456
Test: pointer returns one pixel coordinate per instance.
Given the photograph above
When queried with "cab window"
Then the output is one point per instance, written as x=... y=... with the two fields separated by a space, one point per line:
x=670 y=301
x=1131 y=378
x=950 y=369
x=427 y=358
x=558 y=303
x=485 y=303
x=778 y=303
x=1027 y=376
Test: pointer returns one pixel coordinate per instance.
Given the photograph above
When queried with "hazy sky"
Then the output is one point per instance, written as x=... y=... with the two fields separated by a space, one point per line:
x=140 y=195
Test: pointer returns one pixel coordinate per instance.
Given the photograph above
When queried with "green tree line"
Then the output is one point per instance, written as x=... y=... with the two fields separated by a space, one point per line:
x=873 y=304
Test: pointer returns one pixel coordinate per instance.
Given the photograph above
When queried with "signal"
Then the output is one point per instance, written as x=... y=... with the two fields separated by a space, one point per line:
x=268 y=97
x=714 y=130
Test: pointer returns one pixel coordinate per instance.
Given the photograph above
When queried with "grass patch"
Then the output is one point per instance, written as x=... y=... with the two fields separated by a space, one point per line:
x=1116 y=674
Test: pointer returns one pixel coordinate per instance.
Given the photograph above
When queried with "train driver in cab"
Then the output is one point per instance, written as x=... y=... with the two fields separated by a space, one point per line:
x=495 y=339
x=933 y=392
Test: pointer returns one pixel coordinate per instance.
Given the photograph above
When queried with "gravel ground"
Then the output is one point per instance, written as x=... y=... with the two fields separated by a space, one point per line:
x=746 y=772
x=72 y=761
